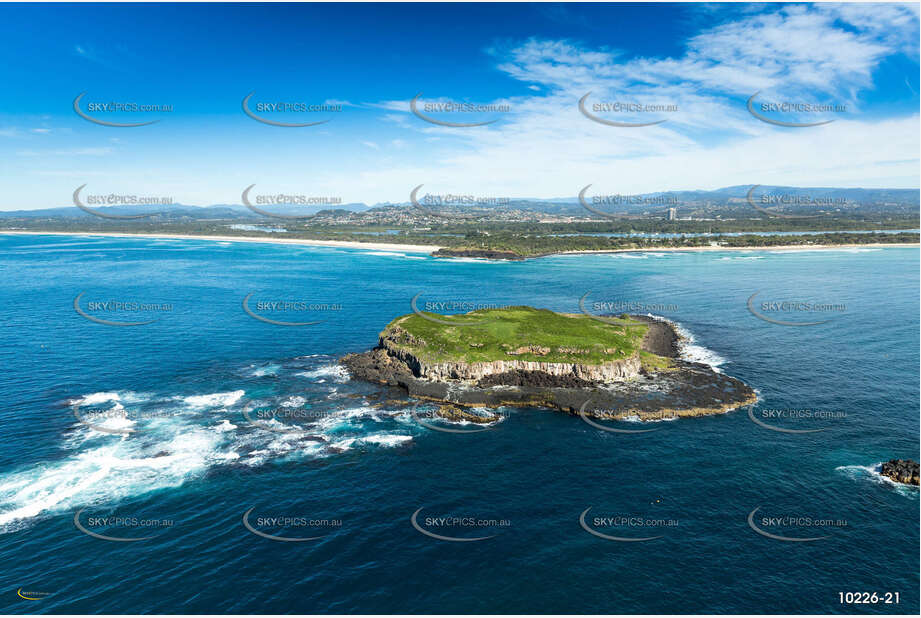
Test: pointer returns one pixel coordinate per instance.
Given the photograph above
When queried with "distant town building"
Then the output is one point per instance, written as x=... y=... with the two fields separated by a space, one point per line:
x=672 y=214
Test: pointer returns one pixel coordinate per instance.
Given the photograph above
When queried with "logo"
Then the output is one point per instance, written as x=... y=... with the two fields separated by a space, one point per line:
x=751 y=415
x=455 y=522
x=447 y=305
x=786 y=521
x=585 y=418
x=122 y=522
x=275 y=107
x=287 y=522
x=490 y=423
x=788 y=306
x=620 y=199
x=771 y=213
x=802 y=107
x=282 y=305
x=33 y=595
x=114 y=107
x=115 y=199
x=113 y=305
x=623 y=521
x=454 y=107
x=612 y=123
x=414 y=200
x=299 y=200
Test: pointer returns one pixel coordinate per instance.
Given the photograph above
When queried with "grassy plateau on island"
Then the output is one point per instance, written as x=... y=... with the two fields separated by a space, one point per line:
x=521 y=333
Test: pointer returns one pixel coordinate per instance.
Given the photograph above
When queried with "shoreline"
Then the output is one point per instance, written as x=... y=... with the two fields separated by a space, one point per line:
x=257 y=239
x=748 y=248
x=384 y=246
x=609 y=389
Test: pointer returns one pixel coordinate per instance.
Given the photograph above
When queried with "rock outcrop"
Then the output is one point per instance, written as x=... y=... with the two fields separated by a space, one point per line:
x=394 y=339
x=901 y=471
x=617 y=389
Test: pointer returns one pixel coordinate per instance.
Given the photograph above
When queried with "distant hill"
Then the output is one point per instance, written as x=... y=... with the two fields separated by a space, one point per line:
x=856 y=201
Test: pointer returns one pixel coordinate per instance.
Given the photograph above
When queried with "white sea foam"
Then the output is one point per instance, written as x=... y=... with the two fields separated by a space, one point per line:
x=633 y=418
x=176 y=445
x=335 y=371
x=268 y=370
x=225 y=425
x=872 y=473
x=689 y=350
x=96 y=398
x=214 y=400
x=386 y=439
x=384 y=253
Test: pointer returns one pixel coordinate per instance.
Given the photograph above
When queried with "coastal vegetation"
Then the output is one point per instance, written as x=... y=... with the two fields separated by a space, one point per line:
x=502 y=240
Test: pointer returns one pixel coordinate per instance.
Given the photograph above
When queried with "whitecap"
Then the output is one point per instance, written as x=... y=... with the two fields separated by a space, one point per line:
x=334 y=370
x=214 y=400
x=687 y=348
x=225 y=425
x=872 y=473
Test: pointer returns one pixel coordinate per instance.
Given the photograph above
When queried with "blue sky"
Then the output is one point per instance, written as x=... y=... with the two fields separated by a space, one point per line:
x=536 y=59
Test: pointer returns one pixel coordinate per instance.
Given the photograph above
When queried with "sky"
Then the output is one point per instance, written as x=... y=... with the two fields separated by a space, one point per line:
x=532 y=63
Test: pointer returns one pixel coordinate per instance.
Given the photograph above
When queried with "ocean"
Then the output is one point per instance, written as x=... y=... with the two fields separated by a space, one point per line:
x=260 y=478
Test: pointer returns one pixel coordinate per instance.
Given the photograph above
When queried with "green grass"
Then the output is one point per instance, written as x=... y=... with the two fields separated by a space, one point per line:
x=490 y=334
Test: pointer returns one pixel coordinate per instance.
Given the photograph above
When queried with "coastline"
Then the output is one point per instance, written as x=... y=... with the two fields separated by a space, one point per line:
x=749 y=248
x=384 y=246
x=257 y=239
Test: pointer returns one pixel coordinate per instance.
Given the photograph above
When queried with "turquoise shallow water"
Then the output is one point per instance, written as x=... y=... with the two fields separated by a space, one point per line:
x=361 y=464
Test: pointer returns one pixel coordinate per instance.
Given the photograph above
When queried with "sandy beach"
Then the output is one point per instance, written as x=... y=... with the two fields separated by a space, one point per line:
x=377 y=246
x=384 y=246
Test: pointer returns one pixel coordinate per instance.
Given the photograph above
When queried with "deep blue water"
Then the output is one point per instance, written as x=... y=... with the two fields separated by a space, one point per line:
x=195 y=463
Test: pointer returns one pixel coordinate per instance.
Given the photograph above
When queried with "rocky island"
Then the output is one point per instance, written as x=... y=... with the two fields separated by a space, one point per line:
x=901 y=471
x=605 y=367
